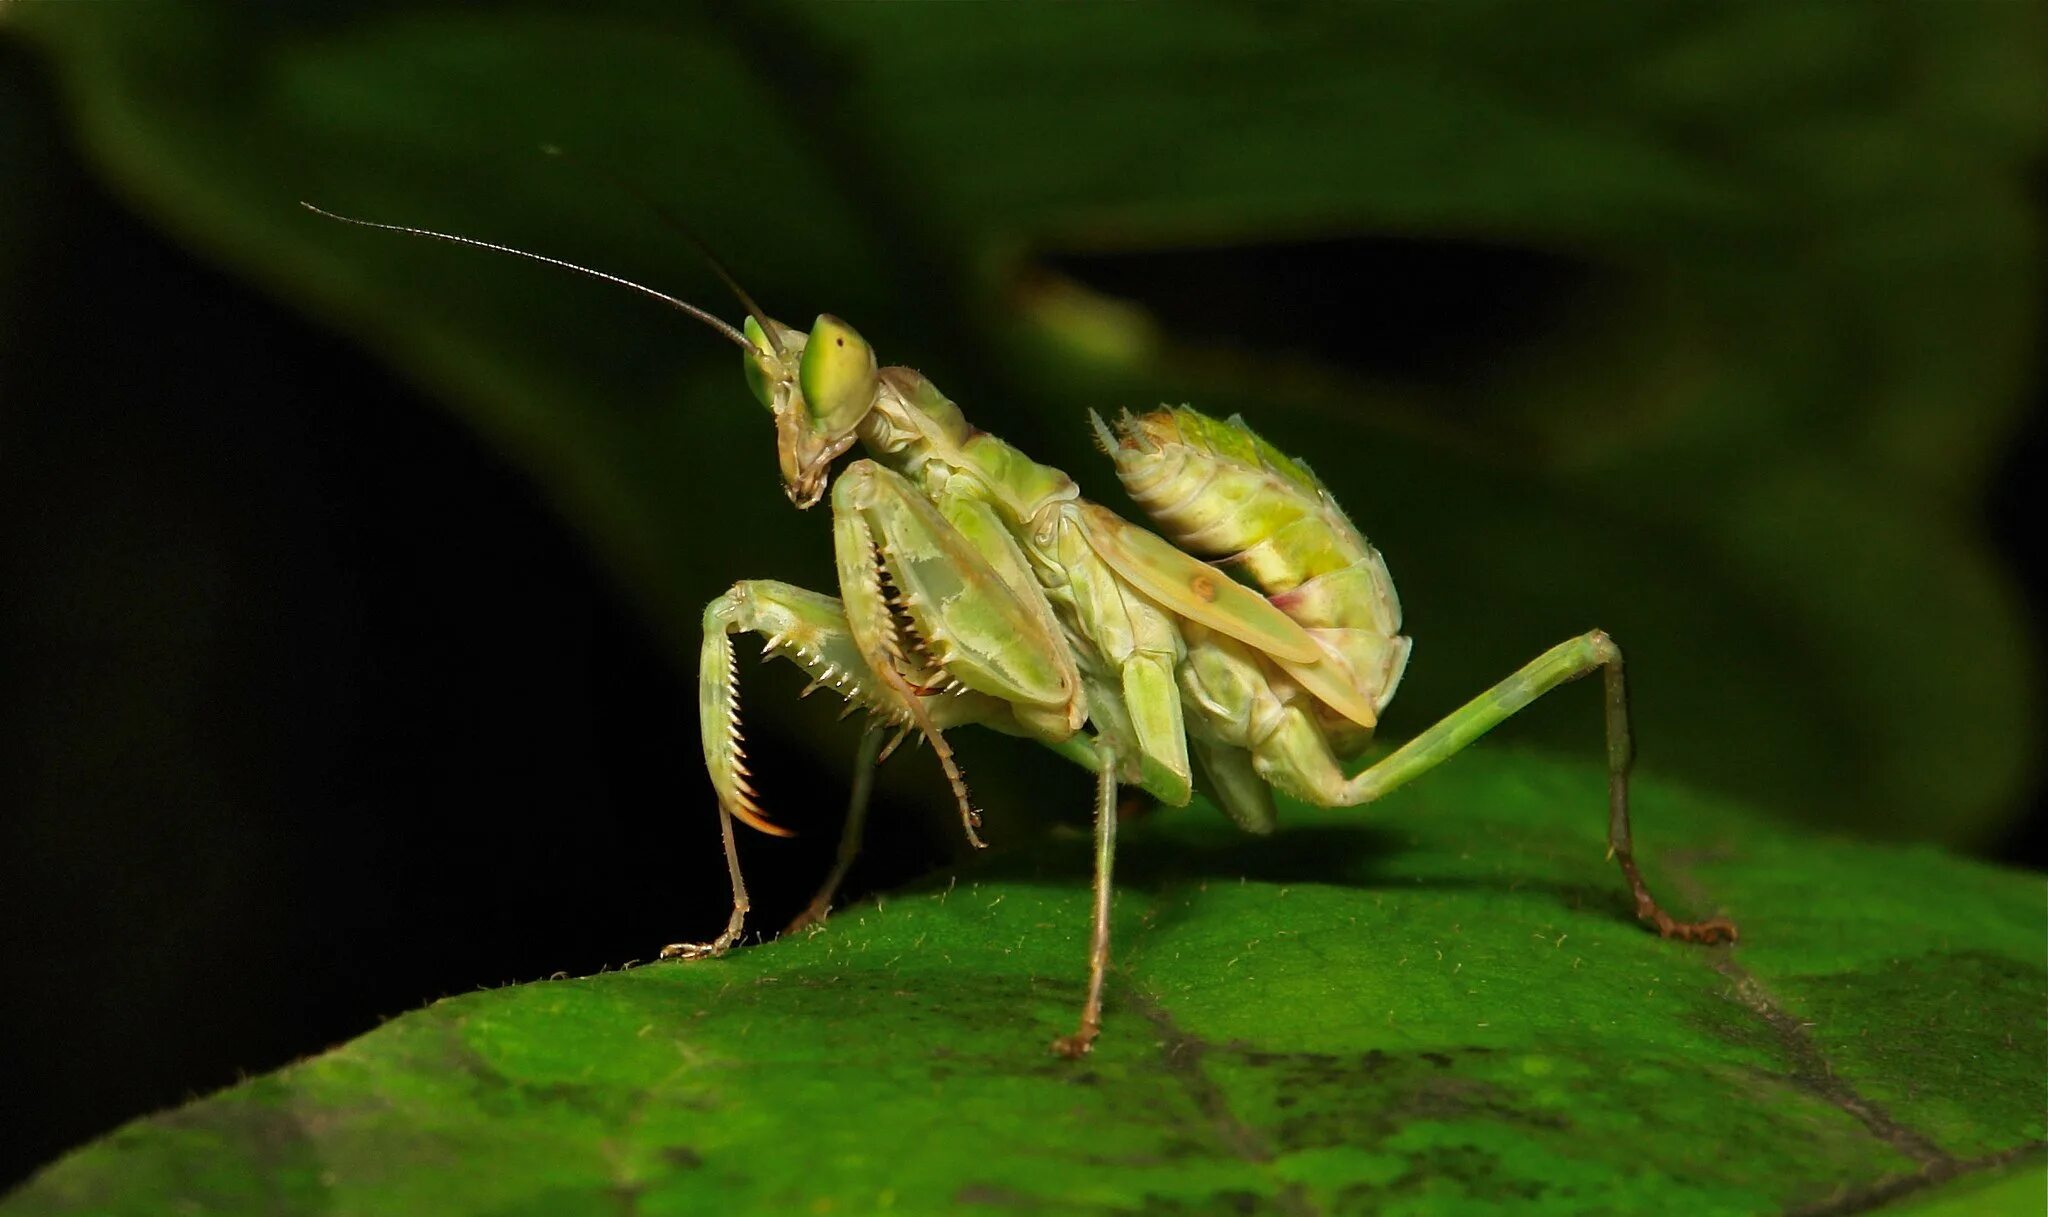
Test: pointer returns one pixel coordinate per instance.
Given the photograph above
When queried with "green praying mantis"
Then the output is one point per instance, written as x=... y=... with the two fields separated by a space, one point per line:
x=977 y=587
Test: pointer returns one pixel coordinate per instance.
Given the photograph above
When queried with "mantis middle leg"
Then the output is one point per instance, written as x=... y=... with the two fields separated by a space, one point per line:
x=1083 y=1038
x=1296 y=758
x=864 y=764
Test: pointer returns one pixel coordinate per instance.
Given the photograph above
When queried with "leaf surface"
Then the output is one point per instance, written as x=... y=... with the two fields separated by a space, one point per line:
x=1442 y=1007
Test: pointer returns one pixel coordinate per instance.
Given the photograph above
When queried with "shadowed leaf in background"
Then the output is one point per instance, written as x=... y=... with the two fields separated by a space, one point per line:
x=1742 y=431
x=1702 y=324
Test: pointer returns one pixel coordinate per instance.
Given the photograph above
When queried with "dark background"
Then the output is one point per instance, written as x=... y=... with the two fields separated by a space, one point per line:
x=314 y=710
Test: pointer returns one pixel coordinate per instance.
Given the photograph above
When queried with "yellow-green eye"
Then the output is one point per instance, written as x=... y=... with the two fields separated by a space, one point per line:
x=838 y=374
x=757 y=372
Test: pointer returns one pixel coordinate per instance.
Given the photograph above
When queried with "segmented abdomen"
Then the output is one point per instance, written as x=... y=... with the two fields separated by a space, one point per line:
x=1219 y=491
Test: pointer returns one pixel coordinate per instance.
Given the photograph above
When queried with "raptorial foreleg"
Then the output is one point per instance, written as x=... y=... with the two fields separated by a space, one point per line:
x=810 y=630
x=923 y=605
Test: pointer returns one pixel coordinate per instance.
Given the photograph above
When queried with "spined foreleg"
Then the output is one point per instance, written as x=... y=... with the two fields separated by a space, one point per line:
x=929 y=613
x=808 y=629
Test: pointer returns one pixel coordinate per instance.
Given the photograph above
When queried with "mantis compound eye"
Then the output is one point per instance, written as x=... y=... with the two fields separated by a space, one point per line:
x=764 y=365
x=756 y=372
x=838 y=375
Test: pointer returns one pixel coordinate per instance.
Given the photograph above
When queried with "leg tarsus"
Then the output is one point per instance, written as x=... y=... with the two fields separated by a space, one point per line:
x=1620 y=837
x=1077 y=1045
x=734 y=924
x=1707 y=932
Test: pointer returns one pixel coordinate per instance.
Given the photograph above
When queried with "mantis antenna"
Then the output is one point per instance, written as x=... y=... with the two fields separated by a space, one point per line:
x=731 y=334
x=621 y=183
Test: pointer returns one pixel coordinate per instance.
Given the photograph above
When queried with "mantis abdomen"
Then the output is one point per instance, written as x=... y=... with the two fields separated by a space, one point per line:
x=1220 y=491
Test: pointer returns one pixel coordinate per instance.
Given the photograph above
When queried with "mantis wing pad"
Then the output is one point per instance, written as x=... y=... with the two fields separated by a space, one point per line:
x=1328 y=682
x=1199 y=592
x=1193 y=588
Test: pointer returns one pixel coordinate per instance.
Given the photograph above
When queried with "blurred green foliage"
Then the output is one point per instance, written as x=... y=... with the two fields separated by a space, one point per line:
x=1747 y=442
x=1763 y=284
x=1376 y=1018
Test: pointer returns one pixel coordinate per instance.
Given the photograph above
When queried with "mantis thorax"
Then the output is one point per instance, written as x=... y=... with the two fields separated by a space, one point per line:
x=919 y=432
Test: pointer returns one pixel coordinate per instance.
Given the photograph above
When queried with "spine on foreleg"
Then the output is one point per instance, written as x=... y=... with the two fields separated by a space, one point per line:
x=1219 y=491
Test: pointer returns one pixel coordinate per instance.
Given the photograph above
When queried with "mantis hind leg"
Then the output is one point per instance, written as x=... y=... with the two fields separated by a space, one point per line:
x=1295 y=757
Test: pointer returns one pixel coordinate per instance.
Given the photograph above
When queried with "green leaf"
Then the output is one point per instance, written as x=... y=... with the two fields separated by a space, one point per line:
x=1744 y=438
x=1444 y=1008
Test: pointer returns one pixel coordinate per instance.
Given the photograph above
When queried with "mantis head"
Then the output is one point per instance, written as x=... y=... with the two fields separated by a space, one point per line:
x=819 y=386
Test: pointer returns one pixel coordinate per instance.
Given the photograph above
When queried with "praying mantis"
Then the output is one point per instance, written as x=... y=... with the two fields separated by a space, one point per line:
x=978 y=587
